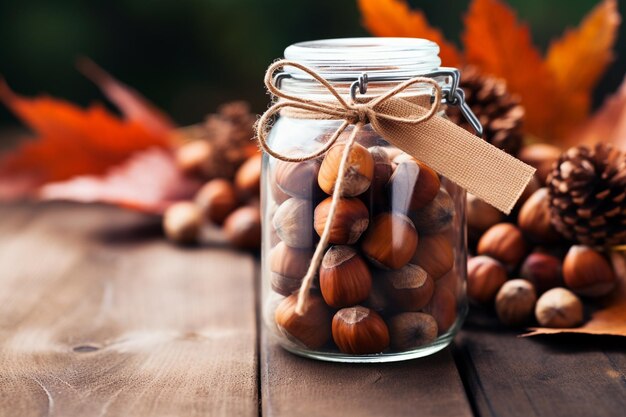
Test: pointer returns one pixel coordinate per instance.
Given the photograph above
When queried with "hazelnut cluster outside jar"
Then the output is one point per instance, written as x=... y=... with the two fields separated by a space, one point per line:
x=390 y=285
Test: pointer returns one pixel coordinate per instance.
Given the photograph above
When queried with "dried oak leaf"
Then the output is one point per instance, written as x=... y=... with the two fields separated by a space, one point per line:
x=499 y=45
x=69 y=141
x=611 y=319
x=579 y=59
x=148 y=181
x=395 y=18
x=608 y=124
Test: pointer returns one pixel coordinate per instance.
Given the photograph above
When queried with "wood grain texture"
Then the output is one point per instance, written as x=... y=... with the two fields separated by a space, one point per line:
x=293 y=386
x=99 y=318
x=563 y=375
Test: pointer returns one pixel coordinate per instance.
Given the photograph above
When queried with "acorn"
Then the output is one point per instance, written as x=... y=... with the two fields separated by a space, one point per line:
x=503 y=242
x=243 y=227
x=311 y=329
x=436 y=216
x=217 y=199
x=293 y=222
x=543 y=270
x=349 y=222
x=534 y=218
x=248 y=177
x=345 y=279
x=411 y=330
x=515 y=302
x=485 y=276
x=587 y=272
x=409 y=288
x=435 y=255
x=182 y=221
x=559 y=308
x=359 y=170
x=288 y=266
x=297 y=179
x=443 y=307
x=412 y=186
x=390 y=241
x=359 y=330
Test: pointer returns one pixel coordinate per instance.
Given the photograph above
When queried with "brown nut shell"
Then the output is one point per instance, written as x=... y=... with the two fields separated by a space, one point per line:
x=443 y=307
x=544 y=271
x=311 y=329
x=349 y=222
x=436 y=216
x=485 y=276
x=412 y=186
x=182 y=221
x=503 y=242
x=288 y=266
x=409 y=288
x=248 y=177
x=297 y=179
x=411 y=330
x=293 y=222
x=435 y=254
x=243 y=227
x=534 y=218
x=587 y=272
x=345 y=279
x=359 y=331
x=515 y=302
x=359 y=170
x=217 y=199
x=560 y=308
x=390 y=241
x=481 y=216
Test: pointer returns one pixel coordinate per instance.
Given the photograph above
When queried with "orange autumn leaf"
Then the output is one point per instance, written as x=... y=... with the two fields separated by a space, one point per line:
x=69 y=141
x=499 y=45
x=394 y=18
x=581 y=56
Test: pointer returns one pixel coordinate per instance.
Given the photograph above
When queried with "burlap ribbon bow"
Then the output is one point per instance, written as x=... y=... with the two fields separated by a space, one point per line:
x=484 y=170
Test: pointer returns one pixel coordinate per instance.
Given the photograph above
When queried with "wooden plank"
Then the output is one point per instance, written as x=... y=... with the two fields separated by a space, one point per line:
x=98 y=318
x=541 y=376
x=293 y=386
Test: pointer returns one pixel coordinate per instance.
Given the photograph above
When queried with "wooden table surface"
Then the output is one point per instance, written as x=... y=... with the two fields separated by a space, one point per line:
x=100 y=316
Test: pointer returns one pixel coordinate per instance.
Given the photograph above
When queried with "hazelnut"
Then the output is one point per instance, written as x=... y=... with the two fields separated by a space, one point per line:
x=217 y=199
x=288 y=266
x=541 y=156
x=587 y=272
x=534 y=218
x=435 y=254
x=194 y=157
x=515 y=302
x=345 y=279
x=412 y=186
x=559 y=308
x=436 y=216
x=359 y=330
x=349 y=222
x=311 y=329
x=377 y=299
x=485 y=276
x=293 y=222
x=442 y=306
x=382 y=170
x=503 y=242
x=297 y=179
x=544 y=271
x=480 y=215
x=390 y=241
x=412 y=330
x=359 y=170
x=248 y=176
x=533 y=185
x=409 y=288
x=243 y=227
x=182 y=221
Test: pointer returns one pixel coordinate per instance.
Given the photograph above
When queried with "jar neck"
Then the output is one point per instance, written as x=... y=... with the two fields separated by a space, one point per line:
x=387 y=61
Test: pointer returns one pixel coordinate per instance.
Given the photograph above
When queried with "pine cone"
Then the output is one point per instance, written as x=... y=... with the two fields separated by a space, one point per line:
x=498 y=111
x=588 y=195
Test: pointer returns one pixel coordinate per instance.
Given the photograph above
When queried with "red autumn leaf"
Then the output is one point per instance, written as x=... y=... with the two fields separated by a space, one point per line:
x=395 y=18
x=148 y=181
x=69 y=141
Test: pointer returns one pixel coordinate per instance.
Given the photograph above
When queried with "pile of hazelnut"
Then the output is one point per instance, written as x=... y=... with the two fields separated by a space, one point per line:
x=232 y=205
x=389 y=280
x=522 y=263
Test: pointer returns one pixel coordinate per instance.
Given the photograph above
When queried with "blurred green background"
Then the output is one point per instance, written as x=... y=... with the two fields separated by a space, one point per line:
x=190 y=55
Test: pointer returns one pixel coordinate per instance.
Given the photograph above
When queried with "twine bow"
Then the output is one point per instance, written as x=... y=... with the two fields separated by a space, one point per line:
x=484 y=170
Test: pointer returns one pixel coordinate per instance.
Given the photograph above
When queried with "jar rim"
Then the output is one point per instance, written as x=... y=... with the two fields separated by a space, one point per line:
x=345 y=58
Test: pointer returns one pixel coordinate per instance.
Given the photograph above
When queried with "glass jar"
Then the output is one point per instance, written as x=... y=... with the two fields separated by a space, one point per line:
x=391 y=284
